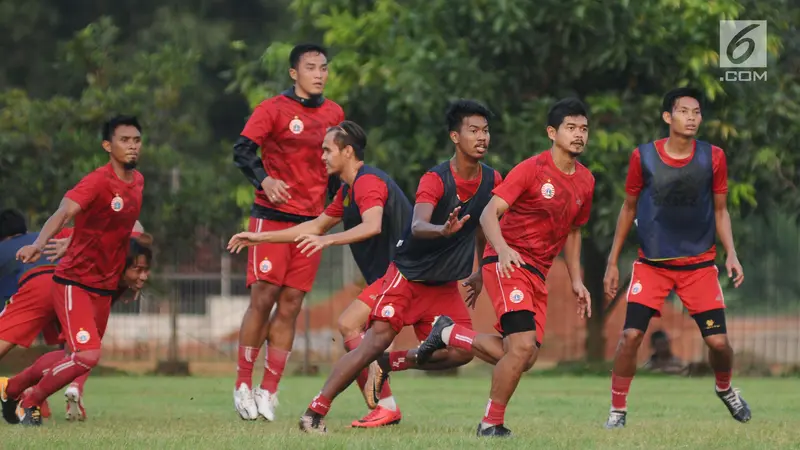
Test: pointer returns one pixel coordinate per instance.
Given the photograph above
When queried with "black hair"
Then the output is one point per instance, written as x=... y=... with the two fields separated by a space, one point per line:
x=659 y=334
x=301 y=49
x=12 y=223
x=671 y=98
x=566 y=107
x=350 y=133
x=458 y=110
x=140 y=246
x=115 y=122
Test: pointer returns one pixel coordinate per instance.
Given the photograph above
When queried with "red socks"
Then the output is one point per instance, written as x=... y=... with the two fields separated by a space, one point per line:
x=398 y=360
x=274 y=363
x=495 y=413
x=80 y=381
x=619 y=392
x=34 y=373
x=244 y=366
x=320 y=405
x=61 y=374
x=723 y=380
x=461 y=337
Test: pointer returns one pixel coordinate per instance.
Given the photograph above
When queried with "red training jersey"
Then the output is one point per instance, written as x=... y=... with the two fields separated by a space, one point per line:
x=634 y=184
x=290 y=136
x=431 y=188
x=545 y=204
x=370 y=190
x=101 y=238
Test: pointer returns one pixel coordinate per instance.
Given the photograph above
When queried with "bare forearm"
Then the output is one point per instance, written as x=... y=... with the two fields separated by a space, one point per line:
x=290 y=234
x=725 y=231
x=358 y=233
x=421 y=229
x=572 y=255
x=53 y=225
x=491 y=229
x=624 y=223
x=480 y=246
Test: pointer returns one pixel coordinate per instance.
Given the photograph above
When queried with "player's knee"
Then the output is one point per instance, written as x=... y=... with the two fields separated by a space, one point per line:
x=532 y=360
x=631 y=338
x=289 y=306
x=522 y=349
x=87 y=358
x=349 y=326
x=718 y=343
x=263 y=296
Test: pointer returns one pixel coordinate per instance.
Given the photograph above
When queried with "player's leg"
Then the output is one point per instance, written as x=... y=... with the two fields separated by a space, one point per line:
x=351 y=326
x=702 y=295
x=75 y=410
x=646 y=294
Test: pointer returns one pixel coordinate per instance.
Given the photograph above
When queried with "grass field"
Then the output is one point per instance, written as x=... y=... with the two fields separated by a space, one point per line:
x=439 y=413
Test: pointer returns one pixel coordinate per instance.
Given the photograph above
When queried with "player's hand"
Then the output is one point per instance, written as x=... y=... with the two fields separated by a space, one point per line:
x=611 y=281
x=735 y=270
x=311 y=243
x=56 y=248
x=245 y=239
x=453 y=223
x=584 y=299
x=276 y=190
x=507 y=258
x=474 y=285
x=29 y=254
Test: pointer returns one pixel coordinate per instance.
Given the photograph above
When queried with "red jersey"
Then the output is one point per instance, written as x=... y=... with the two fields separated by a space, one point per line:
x=431 y=189
x=290 y=136
x=634 y=184
x=545 y=204
x=96 y=255
x=370 y=190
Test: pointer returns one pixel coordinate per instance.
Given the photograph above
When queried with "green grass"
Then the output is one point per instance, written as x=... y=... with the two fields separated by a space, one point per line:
x=439 y=413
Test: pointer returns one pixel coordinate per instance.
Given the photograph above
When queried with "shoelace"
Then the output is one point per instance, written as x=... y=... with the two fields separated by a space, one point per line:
x=734 y=400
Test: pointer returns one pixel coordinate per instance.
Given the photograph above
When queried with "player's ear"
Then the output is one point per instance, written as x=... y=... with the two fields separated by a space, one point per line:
x=293 y=74
x=454 y=137
x=107 y=146
x=551 y=133
x=667 y=117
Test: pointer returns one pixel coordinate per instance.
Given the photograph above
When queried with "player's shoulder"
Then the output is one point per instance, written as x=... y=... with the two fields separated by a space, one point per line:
x=333 y=106
x=271 y=104
x=583 y=172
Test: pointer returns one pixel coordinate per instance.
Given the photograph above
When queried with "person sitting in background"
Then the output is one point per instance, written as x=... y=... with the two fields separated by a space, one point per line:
x=662 y=360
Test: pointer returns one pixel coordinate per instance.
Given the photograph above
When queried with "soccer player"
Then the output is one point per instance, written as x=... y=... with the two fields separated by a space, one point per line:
x=291 y=182
x=436 y=252
x=677 y=191
x=105 y=205
x=375 y=212
x=544 y=201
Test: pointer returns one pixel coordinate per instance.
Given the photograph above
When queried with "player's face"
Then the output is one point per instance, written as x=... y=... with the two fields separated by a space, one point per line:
x=685 y=118
x=124 y=147
x=473 y=137
x=572 y=135
x=136 y=275
x=311 y=73
x=332 y=156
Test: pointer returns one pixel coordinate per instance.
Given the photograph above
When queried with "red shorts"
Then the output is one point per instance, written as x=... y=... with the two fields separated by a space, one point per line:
x=369 y=295
x=401 y=302
x=280 y=264
x=698 y=289
x=83 y=316
x=524 y=291
x=29 y=312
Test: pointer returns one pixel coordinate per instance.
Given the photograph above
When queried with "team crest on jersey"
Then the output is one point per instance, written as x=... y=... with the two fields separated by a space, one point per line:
x=82 y=336
x=387 y=311
x=265 y=265
x=636 y=288
x=516 y=296
x=548 y=190
x=117 y=203
x=296 y=125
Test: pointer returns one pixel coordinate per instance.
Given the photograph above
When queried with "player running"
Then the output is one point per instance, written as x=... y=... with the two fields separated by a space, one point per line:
x=291 y=183
x=105 y=205
x=375 y=212
x=677 y=191
x=436 y=252
x=544 y=201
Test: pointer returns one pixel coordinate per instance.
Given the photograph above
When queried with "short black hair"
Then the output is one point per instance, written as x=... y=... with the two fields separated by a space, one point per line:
x=671 y=98
x=350 y=133
x=566 y=107
x=659 y=334
x=301 y=49
x=460 y=109
x=140 y=246
x=117 y=121
x=12 y=223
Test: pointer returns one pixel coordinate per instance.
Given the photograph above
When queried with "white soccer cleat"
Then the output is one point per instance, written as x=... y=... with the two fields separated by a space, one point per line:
x=266 y=402
x=75 y=410
x=244 y=403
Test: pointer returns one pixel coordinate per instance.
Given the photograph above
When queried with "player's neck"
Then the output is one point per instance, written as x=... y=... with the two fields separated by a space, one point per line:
x=121 y=172
x=465 y=168
x=679 y=146
x=563 y=160
x=301 y=93
x=348 y=175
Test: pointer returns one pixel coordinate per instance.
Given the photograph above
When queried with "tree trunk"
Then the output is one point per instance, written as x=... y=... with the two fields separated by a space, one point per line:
x=594 y=268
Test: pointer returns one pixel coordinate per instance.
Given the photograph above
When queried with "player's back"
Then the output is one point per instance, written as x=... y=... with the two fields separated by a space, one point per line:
x=109 y=209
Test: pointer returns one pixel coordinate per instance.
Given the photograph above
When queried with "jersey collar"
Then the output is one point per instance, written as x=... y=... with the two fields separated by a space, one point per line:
x=314 y=102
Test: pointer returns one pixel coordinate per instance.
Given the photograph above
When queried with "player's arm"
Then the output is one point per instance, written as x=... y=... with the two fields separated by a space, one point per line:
x=66 y=211
x=245 y=150
x=723 y=218
x=371 y=225
x=627 y=214
x=572 y=254
x=320 y=225
x=429 y=192
x=490 y=222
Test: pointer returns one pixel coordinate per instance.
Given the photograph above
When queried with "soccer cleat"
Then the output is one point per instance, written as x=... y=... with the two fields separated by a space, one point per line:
x=31 y=417
x=45 y=406
x=616 y=419
x=434 y=340
x=245 y=403
x=9 y=404
x=266 y=403
x=75 y=410
x=313 y=424
x=378 y=417
x=494 y=431
x=376 y=376
x=738 y=408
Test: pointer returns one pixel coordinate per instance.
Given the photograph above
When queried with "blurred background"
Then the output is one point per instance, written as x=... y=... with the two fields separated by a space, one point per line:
x=192 y=70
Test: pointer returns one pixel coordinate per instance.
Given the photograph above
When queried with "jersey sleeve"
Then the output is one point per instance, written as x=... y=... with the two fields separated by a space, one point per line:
x=586 y=207
x=430 y=190
x=370 y=191
x=85 y=191
x=498 y=179
x=517 y=182
x=260 y=124
x=634 y=181
x=720 y=167
x=336 y=208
